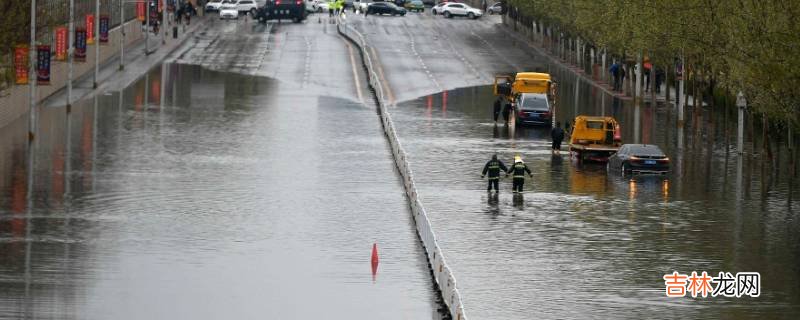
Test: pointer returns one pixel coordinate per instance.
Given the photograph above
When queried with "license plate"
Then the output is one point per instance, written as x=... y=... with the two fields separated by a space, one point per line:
x=649 y=162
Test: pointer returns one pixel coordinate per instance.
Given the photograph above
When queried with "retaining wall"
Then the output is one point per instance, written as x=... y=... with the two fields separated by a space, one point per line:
x=442 y=274
x=14 y=102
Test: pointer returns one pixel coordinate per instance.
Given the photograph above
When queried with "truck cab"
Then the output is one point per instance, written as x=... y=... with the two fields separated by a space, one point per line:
x=532 y=95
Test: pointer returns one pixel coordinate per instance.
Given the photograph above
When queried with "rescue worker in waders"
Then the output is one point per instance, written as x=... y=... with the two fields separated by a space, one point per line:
x=493 y=167
x=519 y=169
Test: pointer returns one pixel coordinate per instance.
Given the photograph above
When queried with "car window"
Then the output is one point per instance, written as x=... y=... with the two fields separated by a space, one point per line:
x=458 y=6
x=533 y=102
x=595 y=124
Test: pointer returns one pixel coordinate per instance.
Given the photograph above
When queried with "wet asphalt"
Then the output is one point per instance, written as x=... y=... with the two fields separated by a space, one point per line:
x=580 y=243
x=246 y=178
x=258 y=186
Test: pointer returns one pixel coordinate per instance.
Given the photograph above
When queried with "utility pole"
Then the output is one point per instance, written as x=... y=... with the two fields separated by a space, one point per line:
x=70 y=52
x=32 y=78
x=96 y=42
x=741 y=102
x=147 y=29
x=122 y=35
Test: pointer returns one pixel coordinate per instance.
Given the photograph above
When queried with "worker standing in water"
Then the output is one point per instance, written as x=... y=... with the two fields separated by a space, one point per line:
x=497 y=104
x=507 y=112
x=493 y=167
x=557 y=134
x=519 y=169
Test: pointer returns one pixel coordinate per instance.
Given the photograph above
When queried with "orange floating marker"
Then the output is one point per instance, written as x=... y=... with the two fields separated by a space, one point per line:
x=375 y=260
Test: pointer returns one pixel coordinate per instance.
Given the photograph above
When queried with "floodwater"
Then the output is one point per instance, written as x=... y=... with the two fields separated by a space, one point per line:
x=582 y=243
x=197 y=194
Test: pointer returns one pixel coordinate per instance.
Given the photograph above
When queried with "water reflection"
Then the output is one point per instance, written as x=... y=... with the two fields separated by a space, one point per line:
x=615 y=231
x=191 y=184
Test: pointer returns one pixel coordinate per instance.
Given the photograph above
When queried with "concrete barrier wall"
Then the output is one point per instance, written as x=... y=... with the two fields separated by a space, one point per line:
x=14 y=102
x=442 y=273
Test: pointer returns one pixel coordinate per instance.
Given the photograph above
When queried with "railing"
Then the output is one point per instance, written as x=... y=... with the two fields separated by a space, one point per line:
x=442 y=273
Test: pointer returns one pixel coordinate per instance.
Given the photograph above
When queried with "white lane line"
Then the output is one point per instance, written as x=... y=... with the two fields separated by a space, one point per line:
x=355 y=72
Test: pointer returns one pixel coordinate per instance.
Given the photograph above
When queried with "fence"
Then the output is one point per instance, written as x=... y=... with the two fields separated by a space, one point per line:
x=442 y=273
x=50 y=15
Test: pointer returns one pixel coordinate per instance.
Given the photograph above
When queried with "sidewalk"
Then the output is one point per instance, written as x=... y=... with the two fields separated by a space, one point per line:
x=593 y=80
x=137 y=63
x=14 y=103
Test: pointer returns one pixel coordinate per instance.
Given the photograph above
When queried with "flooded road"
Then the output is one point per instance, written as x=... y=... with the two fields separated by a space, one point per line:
x=579 y=243
x=202 y=194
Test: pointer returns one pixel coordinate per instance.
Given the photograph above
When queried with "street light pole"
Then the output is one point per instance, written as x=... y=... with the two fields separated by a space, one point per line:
x=122 y=35
x=741 y=102
x=96 y=42
x=32 y=77
x=70 y=52
x=147 y=29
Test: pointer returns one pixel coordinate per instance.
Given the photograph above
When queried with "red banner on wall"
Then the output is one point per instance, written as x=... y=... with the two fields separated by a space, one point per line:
x=43 y=64
x=90 y=29
x=21 y=63
x=61 y=43
x=140 y=11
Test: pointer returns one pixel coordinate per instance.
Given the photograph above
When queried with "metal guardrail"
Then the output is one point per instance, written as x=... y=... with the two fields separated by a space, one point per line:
x=442 y=273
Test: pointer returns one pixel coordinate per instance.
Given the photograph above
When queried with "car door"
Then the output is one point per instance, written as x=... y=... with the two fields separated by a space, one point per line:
x=381 y=8
x=458 y=9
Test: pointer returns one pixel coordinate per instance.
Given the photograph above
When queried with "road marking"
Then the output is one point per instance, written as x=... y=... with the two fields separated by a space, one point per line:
x=383 y=78
x=355 y=72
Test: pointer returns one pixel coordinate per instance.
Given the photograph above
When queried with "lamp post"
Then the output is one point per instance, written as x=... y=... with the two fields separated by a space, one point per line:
x=70 y=52
x=741 y=102
x=32 y=78
x=122 y=35
x=96 y=42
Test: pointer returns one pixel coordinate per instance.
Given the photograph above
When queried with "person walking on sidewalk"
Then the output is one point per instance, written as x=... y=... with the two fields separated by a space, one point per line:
x=518 y=169
x=557 y=134
x=615 y=74
x=496 y=110
x=493 y=167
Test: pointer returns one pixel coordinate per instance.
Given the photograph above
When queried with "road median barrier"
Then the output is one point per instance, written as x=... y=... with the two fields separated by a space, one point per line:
x=442 y=274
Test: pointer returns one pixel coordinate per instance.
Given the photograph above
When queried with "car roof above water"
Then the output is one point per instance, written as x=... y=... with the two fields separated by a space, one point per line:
x=643 y=149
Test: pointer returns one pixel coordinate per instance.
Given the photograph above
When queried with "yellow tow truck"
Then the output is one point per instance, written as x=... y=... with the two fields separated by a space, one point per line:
x=594 y=138
x=532 y=94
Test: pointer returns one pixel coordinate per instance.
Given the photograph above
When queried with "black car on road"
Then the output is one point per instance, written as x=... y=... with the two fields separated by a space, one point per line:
x=294 y=10
x=385 y=8
x=639 y=158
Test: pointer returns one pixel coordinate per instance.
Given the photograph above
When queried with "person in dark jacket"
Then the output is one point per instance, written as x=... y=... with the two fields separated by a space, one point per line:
x=557 y=134
x=507 y=112
x=497 y=104
x=519 y=169
x=493 y=167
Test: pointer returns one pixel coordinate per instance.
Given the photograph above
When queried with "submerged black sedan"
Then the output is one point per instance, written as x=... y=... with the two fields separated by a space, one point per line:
x=639 y=158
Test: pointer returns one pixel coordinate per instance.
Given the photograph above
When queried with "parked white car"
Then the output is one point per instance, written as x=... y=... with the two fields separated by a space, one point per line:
x=322 y=6
x=437 y=9
x=362 y=5
x=245 y=6
x=459 y=9
x=229 y=11
x=213 y=5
